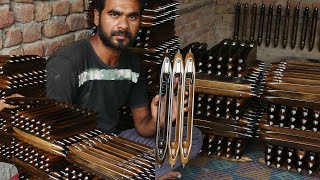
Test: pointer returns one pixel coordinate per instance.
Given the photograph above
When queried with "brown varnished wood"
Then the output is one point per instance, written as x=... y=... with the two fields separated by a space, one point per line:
x=308 y=97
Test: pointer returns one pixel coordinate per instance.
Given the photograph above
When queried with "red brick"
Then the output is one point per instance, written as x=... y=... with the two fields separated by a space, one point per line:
x=7 y=18
x=4 y=1
x=23 y=1
x=42 y=11
x=76 y=21
x=31 y=32
x=16 y=50
x=60 y=8
x=12 y=36
x=55 y=27
x=23 y=12
x=50 y=46
x=82 y=34
x=35 y=48
x=77 y=6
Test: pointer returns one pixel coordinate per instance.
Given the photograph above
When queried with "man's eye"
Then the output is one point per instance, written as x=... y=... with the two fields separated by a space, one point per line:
x=113 y=15
x=132 y=18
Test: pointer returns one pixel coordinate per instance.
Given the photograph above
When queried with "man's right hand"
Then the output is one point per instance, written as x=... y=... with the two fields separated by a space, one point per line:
x=154 y=108
x=4 y=105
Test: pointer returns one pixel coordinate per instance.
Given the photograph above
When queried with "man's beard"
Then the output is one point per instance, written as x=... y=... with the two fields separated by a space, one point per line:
x=119 y=45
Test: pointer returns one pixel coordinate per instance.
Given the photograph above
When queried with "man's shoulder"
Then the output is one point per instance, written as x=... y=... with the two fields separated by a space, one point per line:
x=72 y=50
x=70 y=53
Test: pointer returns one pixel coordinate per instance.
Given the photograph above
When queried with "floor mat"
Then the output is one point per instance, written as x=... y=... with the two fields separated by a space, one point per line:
x=207 y=168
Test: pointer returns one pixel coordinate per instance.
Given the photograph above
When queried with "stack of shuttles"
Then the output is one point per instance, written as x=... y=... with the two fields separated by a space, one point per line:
x=36 y=135
x=226 y=107
x=290 y=128
x=40 y=131
x=109 y=156
x=156 y=37
x=23 y=75
x=34 y=162
x=157 y=30
x=56 y=140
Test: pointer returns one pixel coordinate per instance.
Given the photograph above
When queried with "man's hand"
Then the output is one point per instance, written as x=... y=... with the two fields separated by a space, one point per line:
x=154 y=109
x=3 y=105
x=155 y=105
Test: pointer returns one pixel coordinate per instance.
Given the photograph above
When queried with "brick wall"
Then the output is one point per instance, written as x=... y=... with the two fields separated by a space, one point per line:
x=211 y=21
x=41 y=26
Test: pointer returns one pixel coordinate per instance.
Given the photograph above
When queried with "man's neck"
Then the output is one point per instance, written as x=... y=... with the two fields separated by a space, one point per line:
x=107 y=55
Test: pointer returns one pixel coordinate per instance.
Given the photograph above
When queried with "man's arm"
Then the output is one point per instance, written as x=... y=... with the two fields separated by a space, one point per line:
x=145 y=118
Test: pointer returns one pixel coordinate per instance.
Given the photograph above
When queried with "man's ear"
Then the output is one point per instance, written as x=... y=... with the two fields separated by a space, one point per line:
x=96 y=19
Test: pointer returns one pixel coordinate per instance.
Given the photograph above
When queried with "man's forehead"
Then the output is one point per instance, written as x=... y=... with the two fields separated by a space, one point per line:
x=123 y=5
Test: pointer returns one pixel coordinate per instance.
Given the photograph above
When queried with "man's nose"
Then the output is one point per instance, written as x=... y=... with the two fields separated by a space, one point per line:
x=123 y=23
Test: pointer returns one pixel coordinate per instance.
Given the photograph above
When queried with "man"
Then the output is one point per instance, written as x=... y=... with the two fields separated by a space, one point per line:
x=98 y=73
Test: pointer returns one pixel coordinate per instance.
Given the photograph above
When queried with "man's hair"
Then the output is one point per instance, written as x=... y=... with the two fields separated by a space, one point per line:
x=100 y=4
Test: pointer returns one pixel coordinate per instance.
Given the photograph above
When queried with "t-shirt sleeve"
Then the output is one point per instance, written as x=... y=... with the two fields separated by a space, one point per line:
x=139 y=95
x=62 y=79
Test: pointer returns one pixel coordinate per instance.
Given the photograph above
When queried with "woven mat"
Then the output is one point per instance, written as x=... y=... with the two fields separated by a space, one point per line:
x=206 y=168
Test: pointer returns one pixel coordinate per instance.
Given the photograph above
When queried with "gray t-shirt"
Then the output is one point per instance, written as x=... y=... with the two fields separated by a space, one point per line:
x=76 y=75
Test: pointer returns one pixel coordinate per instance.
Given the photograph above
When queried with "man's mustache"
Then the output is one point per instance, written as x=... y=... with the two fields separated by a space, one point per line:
x=122 y=33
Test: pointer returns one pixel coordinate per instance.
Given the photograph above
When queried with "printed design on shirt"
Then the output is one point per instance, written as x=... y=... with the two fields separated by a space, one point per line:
x=108 y=74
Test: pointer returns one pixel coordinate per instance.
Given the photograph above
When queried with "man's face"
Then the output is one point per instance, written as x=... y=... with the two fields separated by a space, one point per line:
x=119 y=23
